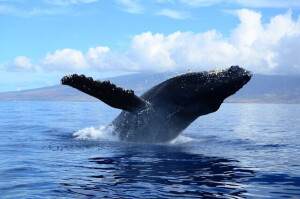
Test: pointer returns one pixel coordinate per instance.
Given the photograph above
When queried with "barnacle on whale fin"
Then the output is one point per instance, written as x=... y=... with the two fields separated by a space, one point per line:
x=107 y=92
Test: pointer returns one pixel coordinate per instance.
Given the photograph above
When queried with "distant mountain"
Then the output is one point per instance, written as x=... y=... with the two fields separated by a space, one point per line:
x=261 y=89
x=269 y=89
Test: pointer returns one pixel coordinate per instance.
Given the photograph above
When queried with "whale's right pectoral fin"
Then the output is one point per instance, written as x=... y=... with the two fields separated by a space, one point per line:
x=107 y=92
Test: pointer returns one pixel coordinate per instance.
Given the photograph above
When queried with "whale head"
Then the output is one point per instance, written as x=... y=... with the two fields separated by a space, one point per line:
x=223 y=83
x=201 y=93
x=204 y=92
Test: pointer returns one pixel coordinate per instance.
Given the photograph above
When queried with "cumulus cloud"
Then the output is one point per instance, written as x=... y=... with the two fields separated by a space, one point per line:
x=65 y=60
x=20 y=63
x=262 y=48
x=271 y=48
x=263 y=45
x=95 y=59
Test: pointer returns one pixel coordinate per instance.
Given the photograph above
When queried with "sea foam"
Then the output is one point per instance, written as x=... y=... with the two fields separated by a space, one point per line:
x=100 y=133
x=182 y=140
x=103 y=133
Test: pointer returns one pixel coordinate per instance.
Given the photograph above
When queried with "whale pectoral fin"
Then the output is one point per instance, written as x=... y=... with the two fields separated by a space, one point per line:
x=107 y=92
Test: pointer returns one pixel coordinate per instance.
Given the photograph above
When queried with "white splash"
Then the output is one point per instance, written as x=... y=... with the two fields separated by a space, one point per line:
x=103 y=133
x=182 y=140
x=100 y=133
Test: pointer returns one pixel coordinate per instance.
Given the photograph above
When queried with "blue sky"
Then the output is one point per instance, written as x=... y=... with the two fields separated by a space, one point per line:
x=41 y=41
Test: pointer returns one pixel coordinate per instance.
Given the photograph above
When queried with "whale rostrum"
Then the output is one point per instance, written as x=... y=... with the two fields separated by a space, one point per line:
x=165 y=110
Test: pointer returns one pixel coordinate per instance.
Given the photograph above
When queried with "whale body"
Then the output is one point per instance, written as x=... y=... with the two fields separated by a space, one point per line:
x=165 y=110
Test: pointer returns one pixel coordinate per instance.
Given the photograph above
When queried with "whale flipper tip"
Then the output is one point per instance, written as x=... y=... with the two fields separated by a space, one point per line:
x=107 y=92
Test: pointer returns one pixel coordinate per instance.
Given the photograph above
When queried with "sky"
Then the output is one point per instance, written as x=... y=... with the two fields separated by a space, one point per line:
x=41 y=41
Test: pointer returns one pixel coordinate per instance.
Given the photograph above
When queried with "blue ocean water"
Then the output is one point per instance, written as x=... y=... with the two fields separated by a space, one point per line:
x=241 y=151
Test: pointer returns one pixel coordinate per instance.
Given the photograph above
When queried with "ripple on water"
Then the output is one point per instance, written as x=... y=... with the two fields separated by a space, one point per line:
x=160 y=175
x=249 y=151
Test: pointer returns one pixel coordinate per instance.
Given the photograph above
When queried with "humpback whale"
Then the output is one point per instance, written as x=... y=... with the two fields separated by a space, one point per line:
x=165 y=110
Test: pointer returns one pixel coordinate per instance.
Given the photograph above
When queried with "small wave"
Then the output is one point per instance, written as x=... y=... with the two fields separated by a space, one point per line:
x=100 y=133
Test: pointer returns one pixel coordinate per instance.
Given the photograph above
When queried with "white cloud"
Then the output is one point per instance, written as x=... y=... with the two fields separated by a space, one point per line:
x=165 y=1
x=249 y=29
x=95 y=59
x=131 y=6
x=269 y=3
x=172 y=13
x=20 y=63
x=199 y=3
x=69 y=2
x=265 y=44
x=17 y=9
x=88 y=1
x=11 y=10
x=64 y=60
x=247 y=3
x=263 y=48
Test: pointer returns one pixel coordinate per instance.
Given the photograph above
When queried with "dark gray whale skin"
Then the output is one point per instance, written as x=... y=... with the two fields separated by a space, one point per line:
x=164 y=111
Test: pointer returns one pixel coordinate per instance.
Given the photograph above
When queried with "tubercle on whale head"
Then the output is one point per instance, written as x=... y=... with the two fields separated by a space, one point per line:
x=231 y=80
x=211 y=87
x=227 y=81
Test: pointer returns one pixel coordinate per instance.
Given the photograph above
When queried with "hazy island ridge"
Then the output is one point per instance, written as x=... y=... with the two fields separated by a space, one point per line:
x=261 y=89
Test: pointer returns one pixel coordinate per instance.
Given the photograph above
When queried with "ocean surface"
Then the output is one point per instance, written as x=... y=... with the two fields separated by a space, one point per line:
x=60 y=150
